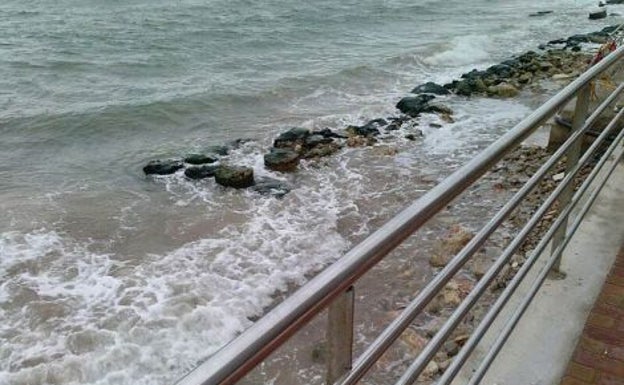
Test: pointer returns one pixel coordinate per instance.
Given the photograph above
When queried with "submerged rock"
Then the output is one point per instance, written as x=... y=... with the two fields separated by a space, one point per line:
x=438 y=109
x=599 y=14
x=540 y=13
x=414 y=105
x=411 y=136
x=236 y=143
x=232 y=176
x=371 y=128
x=162 y=167
x=469 y=86
x=362 y=131
x=291 y=138
x=282 y=159
x=199 y=159
x=430 y=88
x=328 y=133
x=269 y=186
x=201 y=172
x=218 y=150
x=501 y=70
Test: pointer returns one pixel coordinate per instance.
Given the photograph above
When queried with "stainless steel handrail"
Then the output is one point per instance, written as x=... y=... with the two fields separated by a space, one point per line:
x=389 y=335
x=468 y=347
x=512 y=322
x=234 y=360
x=496 y=347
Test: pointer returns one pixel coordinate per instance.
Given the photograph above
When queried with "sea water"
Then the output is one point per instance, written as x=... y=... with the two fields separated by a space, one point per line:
x=111 y=277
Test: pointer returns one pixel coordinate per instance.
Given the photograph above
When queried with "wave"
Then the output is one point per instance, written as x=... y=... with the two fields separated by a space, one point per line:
x=97 y=318
x=462 y=50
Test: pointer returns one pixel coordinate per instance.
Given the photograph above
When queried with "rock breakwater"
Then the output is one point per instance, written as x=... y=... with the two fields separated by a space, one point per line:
x=556 y=59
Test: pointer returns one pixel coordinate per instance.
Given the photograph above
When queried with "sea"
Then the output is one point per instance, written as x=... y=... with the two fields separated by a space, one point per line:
x=108 y=276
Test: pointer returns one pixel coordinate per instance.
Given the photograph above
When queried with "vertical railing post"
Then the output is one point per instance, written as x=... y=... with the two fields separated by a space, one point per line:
x=581 y=111
x=340 y=336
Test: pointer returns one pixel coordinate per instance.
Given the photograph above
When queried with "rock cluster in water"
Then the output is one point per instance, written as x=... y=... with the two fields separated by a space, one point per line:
x=208 y=165
x=557 y=59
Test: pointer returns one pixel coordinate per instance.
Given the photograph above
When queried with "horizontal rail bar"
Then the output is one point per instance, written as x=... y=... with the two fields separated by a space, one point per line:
x=235 y=359
x=399 y=324
x=510 y=326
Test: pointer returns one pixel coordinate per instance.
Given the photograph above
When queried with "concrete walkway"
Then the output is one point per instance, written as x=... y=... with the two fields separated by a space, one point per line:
x=599 y=355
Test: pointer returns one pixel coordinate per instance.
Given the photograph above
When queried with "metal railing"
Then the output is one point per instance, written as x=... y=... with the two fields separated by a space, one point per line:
x=333 y=287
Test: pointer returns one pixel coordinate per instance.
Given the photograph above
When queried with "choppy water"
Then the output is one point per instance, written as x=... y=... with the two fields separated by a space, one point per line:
x=108 y=277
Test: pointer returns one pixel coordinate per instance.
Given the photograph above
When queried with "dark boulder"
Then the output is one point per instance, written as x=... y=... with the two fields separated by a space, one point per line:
x=232 y=176
x=412 y=137
x=317 y=146
x=269 y=186
x=291 y=138
x=414 y=105
x=201 y=172
x=379 y=122
x=601 y=14
x=474 y=74
x=362 y=131
x=430 y=88
x=218 y=150
x=469 y=86
x=371 y=128
x=527 y=57
x=557 y=41
x=540 y=13
x=501 y=71
x=162 y=167
x=282 y=159
x=199 y=159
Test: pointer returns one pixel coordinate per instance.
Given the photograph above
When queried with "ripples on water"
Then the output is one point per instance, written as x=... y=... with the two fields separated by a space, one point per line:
x=107 y=277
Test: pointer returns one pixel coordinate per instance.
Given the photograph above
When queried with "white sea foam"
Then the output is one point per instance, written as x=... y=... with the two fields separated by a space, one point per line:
x=462 y=50
x=96 y=320
x=477 y=121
